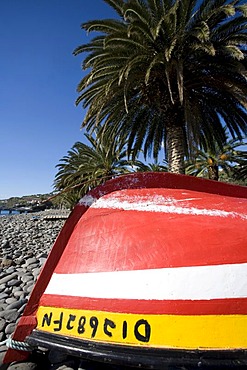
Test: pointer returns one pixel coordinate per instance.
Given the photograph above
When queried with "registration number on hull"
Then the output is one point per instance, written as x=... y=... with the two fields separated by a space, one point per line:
x=96 y=325
x=151 y=330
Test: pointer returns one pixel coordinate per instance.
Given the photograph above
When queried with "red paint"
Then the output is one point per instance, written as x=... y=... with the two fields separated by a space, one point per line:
x=141 y=240
x=168 y=307
x=192 y=254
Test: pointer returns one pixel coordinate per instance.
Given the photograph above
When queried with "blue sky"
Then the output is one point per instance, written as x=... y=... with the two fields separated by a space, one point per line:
x=39 y=121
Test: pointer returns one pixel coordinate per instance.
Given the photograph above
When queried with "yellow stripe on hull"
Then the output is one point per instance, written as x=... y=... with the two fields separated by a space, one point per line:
x=168 y=331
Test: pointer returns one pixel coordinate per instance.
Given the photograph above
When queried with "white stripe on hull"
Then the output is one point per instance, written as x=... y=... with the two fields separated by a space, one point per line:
x=180 y=283
x=160 y=204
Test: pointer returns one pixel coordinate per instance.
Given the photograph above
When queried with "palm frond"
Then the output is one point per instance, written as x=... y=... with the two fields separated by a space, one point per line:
x=163 y=64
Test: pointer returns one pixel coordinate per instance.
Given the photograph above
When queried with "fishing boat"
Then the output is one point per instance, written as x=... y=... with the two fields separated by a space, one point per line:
x=149 y=270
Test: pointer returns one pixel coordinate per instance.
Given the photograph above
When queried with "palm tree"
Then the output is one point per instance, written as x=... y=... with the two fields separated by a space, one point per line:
x=66 y=199
x=86 y=166
x=240 y=173
x=220 y=161
x=151 y=167
x=167 y=73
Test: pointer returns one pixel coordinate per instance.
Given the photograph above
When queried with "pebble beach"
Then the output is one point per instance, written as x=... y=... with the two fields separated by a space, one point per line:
x=25 y=242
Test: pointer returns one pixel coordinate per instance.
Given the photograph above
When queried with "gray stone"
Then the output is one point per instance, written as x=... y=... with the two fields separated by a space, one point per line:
x=2 y=324
x=10 y=328
x=23 y=366
x=2 y=335
x=5 y=243
x=10 y=300
x=19 y=261
x=2 y=287
x=18 y=294
x=64 y=366
x=10 y=270
x=10 y=315
x=18 y=253
x=26 y=278
x=8 y=290
x=2 y=306
x=36 y=271
x=3 y=273
x=3 y=295
x=16 y=289
x=14 y=282
x=30 y=261
x=20 y=272
x=42 y=255
x=28 y=289
x=42 y=261
x=17 y=304
x=7 y=278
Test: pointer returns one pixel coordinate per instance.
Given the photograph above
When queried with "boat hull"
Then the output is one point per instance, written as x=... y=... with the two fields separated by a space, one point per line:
x=148 y=268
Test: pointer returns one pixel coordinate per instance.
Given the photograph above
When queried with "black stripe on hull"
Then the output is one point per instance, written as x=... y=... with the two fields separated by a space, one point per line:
x=140 y=357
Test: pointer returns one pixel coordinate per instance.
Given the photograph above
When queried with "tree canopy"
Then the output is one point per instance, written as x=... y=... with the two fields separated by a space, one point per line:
x=167 y=73
x=88 y=165
x=219 y=162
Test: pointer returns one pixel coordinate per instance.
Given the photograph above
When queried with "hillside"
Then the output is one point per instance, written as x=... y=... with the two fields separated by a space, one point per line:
x=24 y=201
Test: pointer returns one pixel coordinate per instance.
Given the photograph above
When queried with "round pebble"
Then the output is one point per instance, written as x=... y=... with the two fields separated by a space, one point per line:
x=2 y=324
x=23 y=366
x=10 y=328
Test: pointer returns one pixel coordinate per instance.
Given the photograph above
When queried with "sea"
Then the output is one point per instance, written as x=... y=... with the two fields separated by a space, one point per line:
x=6 y=213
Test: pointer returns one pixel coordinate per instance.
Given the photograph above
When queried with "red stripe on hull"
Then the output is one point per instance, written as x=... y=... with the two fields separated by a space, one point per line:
x=230 y=306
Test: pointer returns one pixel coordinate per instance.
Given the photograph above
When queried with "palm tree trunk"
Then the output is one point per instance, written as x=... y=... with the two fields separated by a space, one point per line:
x=175 y=149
